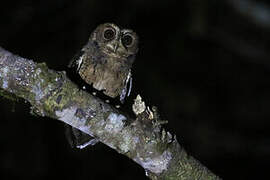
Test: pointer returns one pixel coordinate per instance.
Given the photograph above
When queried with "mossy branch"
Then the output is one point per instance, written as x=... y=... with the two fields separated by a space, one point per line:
x=142 y=139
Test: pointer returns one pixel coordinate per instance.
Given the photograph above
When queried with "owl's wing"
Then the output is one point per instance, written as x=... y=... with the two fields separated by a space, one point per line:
x=78 y=139
x=127 y=89
x=76 y=61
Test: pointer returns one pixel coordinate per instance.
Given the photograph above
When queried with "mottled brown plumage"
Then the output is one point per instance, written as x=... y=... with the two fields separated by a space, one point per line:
x=106 y=60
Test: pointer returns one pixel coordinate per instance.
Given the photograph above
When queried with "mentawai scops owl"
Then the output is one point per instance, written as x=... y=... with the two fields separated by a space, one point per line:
x=105 y=62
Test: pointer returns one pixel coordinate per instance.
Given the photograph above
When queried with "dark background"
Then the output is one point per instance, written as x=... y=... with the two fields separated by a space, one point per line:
x=205 y=64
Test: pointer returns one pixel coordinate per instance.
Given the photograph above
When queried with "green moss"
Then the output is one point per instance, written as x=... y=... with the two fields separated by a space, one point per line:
x=59 y=98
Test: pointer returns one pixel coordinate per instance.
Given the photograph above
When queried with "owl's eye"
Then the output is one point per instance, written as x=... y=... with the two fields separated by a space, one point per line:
x=109 y=34
x=127 y=40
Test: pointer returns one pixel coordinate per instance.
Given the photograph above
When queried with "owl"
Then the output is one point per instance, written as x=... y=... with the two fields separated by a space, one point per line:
x=106 y=60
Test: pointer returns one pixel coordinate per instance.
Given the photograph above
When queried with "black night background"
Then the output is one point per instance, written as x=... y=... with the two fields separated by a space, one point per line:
x=204 y=64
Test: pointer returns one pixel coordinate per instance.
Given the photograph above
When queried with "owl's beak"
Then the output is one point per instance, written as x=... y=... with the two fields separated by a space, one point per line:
x=113 y=47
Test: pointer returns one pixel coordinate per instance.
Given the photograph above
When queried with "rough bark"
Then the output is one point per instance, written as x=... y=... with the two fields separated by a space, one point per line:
x=142 y=139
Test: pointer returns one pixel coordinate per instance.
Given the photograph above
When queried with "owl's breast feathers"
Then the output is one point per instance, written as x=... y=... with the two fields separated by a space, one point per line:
x=105 y=72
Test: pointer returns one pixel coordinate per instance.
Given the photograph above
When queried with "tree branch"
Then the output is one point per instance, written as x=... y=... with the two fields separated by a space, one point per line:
x=142 y=139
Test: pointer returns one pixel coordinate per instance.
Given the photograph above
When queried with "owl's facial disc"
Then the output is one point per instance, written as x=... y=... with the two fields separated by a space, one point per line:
x=124 y=45
x=114 y=41
x=128 y=42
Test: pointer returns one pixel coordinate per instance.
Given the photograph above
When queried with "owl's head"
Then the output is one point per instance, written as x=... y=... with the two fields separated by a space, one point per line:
x=115 y=41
